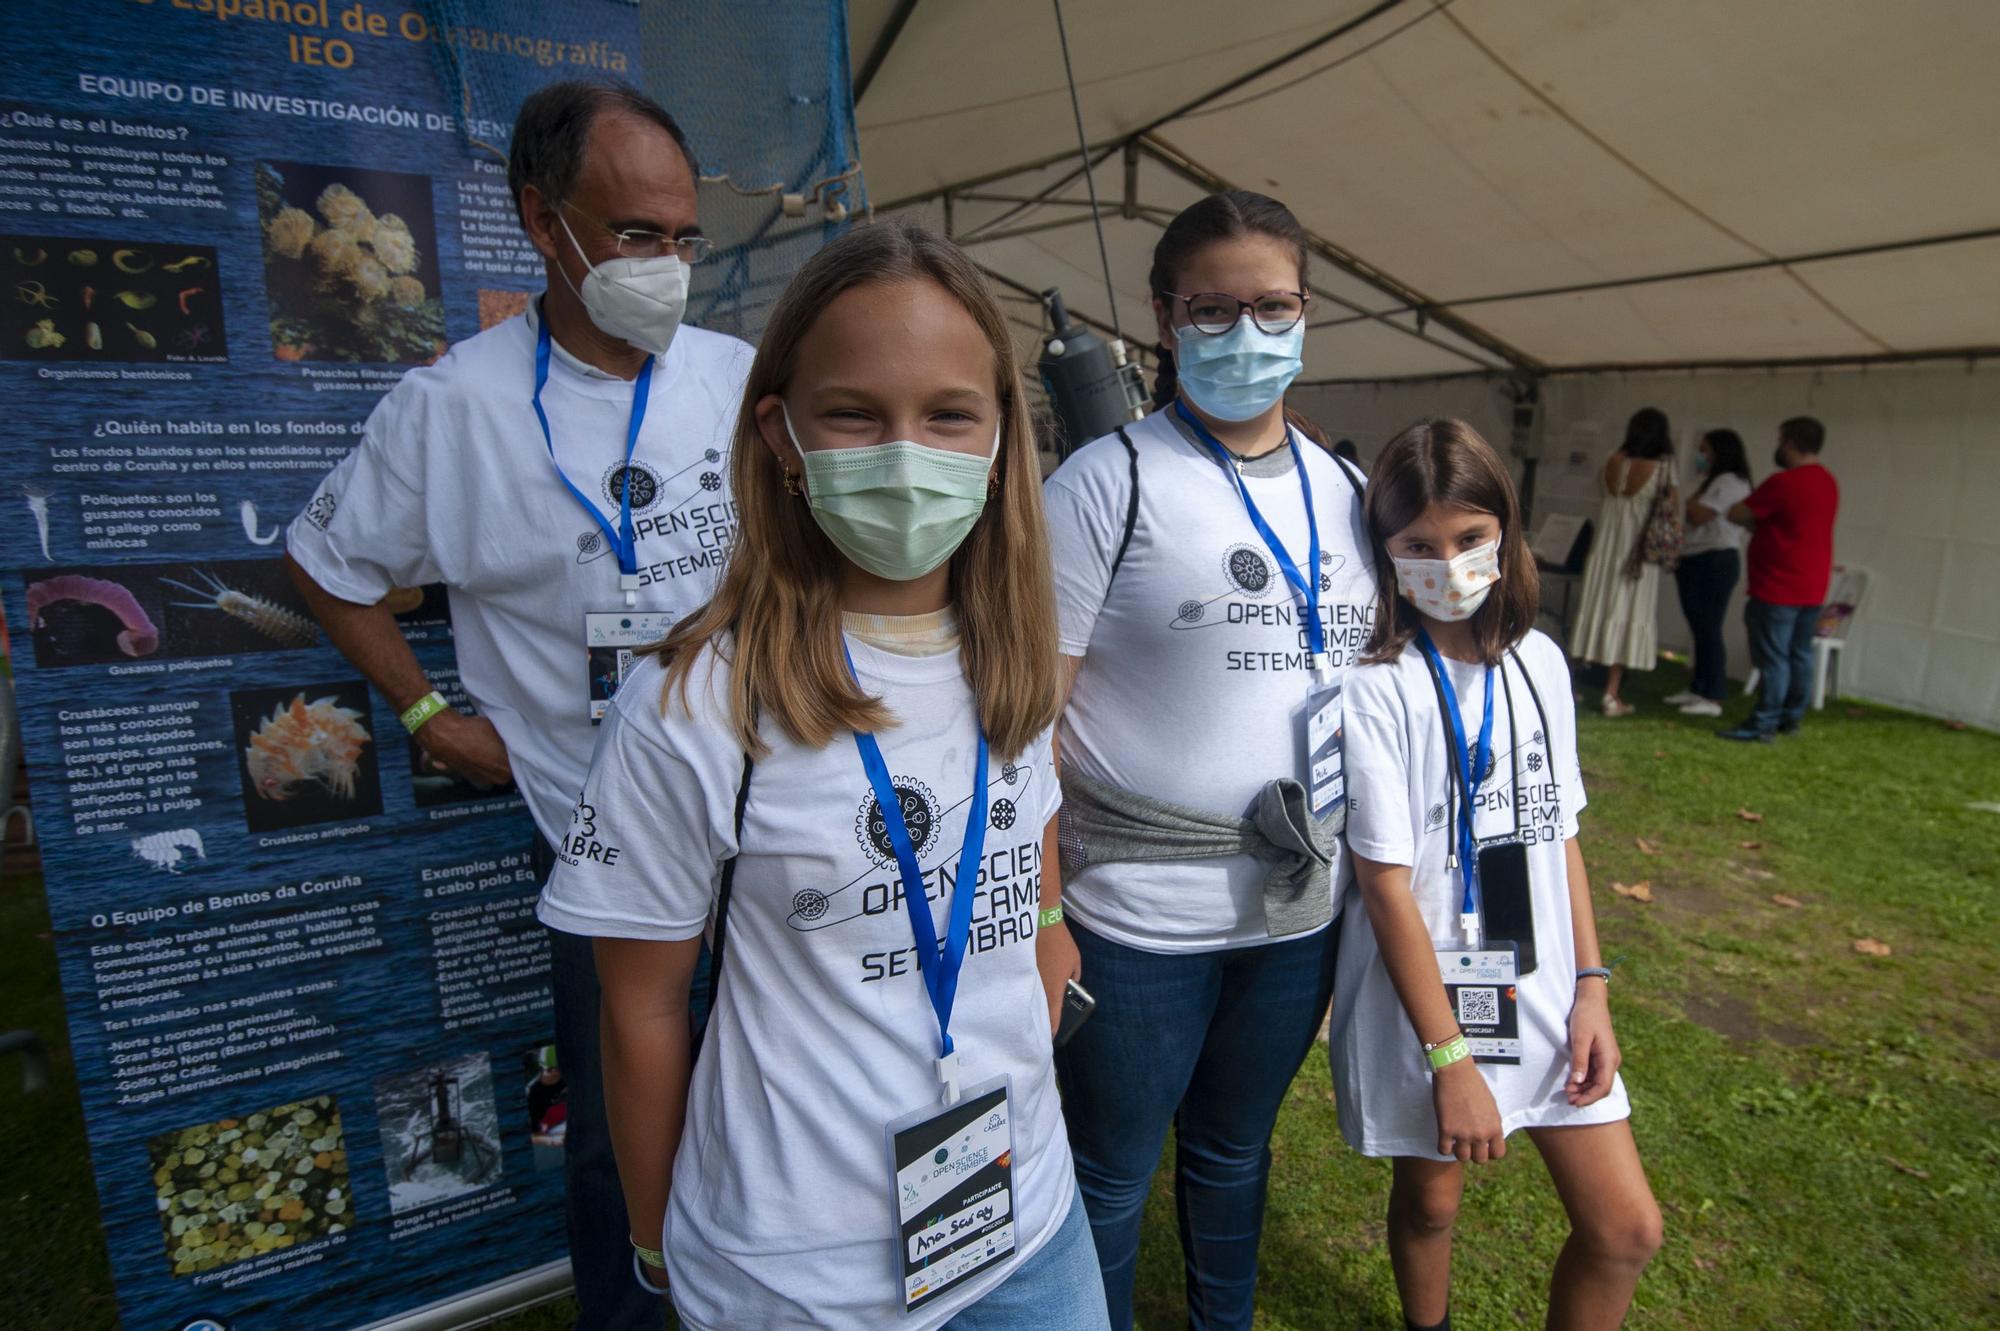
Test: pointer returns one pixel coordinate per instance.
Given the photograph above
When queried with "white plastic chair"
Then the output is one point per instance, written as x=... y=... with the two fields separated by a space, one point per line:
x=1843 y=603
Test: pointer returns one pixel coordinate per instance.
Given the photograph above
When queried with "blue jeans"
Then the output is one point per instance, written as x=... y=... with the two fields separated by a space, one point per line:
x=1781 y=646
x=1209 y=1042
x=600 y=1247
x=1055 y=1290
x=1705 y=581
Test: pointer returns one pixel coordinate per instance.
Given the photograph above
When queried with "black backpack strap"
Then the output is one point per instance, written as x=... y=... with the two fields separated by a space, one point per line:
x=1131 y=505
x=1354 y=478
x=726 y=888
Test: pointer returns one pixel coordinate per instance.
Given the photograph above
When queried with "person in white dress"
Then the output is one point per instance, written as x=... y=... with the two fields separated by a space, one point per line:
x=1471 y=997
x=1615 y=627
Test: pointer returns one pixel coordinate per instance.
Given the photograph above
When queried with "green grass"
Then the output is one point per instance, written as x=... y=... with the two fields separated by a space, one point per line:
x=1822 y=1127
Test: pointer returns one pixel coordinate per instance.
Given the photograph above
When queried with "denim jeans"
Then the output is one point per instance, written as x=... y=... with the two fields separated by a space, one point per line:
x=1055 y=1290
x=1209 y=1042
x=1705 y=581
x=600 y=1234
x=1781 y=645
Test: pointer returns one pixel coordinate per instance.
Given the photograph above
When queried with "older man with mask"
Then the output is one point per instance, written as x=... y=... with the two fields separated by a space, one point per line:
x=565 y=475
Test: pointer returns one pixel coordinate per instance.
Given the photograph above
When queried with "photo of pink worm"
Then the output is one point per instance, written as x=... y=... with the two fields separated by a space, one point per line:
x=139 y=638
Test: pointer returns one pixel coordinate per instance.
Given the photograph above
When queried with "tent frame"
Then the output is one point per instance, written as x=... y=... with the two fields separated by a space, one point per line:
x=1516 y=364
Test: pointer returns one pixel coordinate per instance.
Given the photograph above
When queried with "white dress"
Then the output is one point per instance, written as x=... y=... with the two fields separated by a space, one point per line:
x=1616 y=625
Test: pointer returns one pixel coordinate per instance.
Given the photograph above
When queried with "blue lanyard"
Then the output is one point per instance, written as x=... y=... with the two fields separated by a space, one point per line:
x=1471 y=769
x=1307 y=588
x=621 y=538
x=940 y=965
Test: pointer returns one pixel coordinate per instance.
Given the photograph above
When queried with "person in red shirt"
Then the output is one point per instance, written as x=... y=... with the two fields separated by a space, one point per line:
x=1791 y=562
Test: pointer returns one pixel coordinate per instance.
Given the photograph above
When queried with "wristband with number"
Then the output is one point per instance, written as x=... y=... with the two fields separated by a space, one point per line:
x=1053 y=915
x=1447 y=1052
x=422 y=710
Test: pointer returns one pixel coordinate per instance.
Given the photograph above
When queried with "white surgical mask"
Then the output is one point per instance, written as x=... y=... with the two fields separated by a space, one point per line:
x=1450 y=588
x=638 y=301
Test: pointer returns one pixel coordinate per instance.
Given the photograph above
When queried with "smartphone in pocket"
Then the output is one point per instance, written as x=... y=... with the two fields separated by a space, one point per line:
x=1077 y=1005
x=1505 y=903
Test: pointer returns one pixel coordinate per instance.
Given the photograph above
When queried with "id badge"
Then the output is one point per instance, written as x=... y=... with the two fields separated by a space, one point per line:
x=610 y=638
x=1320 y=750
x=1483 y=990
x=953 y=1178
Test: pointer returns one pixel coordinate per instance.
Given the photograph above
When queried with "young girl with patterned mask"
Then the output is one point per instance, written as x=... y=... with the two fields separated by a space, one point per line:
x=844 y=761
x=1472 y=1000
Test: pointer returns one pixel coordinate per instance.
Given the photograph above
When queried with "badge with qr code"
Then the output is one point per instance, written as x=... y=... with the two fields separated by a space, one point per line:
x=1482 y=988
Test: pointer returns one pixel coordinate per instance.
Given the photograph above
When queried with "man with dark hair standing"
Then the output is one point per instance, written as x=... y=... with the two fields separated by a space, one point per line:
x=1791 y=563
x=565 y=474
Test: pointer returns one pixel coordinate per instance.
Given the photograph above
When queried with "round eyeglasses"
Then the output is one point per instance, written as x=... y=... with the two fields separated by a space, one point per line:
x=640 y=243
x=1216 y=312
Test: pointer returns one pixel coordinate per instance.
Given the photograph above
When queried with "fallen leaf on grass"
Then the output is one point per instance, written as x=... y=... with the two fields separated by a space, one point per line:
x=1871 y=947
x=1645 y=847
x=1789 y=903
x=1636 y=891
x=1750 y=845
x=1758 y=875
x=1902 y=1168
x=1954 y=725
x=1749 y=817
x=1659 y=753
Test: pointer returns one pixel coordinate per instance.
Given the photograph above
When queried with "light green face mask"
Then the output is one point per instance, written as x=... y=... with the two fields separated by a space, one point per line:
x=898 y=509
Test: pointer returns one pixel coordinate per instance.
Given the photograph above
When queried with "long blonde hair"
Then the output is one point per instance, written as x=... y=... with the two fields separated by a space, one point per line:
x=778 y=601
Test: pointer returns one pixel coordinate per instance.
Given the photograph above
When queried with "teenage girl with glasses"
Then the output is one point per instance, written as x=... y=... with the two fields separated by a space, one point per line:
x=1213 y=583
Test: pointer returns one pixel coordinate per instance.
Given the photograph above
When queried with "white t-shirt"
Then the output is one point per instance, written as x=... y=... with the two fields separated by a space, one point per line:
x=1719 y=533
x=452 y=483
x=1195 y=666
x=1397 y=775
x=823 y=1033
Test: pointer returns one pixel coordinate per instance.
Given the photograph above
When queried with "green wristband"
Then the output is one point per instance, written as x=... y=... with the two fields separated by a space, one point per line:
x=1053 y=915
x=1454 y=1050
x=652 y=1257
x=422 y=710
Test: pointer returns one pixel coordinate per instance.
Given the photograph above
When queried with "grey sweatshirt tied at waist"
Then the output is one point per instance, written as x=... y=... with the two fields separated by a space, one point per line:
x=1104 y=824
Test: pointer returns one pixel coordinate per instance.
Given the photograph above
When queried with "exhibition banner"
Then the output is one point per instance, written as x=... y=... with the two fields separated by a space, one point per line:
x=307 y=995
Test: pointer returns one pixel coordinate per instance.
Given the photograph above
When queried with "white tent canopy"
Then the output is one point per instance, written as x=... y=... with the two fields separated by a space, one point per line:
x=1491 y=184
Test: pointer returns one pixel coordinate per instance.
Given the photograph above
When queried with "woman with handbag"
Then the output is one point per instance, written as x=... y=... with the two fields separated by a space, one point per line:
x=1638 y=533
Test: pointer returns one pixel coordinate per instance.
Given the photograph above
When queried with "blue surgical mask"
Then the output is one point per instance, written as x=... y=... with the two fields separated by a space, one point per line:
x=1241 y=374
x=1700 y=463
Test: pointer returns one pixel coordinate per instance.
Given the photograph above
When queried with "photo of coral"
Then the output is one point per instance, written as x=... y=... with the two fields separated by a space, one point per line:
x=350 y=264
x=111 y=301
x=306 y=754
x=440 y=1131
x=497 y=307
x=242 y=1187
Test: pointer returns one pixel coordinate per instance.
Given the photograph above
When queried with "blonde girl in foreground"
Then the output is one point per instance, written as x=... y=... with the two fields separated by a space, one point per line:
x=1472 y=999
x=844 y=761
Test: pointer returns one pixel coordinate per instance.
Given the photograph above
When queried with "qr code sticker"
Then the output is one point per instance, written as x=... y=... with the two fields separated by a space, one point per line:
x=1478 y=1007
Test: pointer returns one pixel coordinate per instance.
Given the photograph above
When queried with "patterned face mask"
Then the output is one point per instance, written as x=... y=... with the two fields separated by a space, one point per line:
x=1450 y=588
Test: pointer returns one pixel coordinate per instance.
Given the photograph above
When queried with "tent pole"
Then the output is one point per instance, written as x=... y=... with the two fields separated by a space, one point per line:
x=879 y=52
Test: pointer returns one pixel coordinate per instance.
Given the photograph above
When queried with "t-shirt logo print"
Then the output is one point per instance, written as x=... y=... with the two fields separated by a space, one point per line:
x=921 y=817
x=645 y=486
x=591 y=545
x=320 y=511
x=1246 y=572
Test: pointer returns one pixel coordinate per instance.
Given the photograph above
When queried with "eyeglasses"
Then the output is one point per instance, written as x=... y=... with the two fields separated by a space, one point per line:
x=642 y=244
x=1216 y=312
